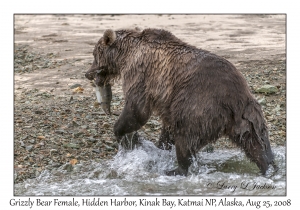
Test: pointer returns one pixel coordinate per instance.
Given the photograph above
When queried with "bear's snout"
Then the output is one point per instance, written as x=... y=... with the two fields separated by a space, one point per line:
x=90 y=75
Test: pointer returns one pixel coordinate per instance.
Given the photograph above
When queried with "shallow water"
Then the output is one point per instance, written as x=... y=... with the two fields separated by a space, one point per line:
x=141 y=172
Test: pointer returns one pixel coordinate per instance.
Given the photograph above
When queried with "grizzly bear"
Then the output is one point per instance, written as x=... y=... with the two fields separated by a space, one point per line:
x=198 y=95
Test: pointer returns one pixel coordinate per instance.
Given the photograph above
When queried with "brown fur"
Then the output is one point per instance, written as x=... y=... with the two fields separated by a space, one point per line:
x=198 y=95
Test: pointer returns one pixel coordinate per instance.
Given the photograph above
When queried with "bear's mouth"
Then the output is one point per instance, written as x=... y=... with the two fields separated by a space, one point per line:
x=94 y=73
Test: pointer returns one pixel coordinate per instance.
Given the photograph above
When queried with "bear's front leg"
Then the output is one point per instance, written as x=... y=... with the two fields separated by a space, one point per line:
x=132 y=118
x=166 y=139
x=129 y=141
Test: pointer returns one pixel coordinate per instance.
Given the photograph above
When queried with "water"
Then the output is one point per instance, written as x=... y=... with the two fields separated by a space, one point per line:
x=141 y=172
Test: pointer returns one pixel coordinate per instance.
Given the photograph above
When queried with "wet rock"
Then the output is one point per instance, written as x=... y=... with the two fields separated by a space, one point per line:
x=267 y=89
x=67 y=167
x=209 y=148
x=77 y=167
x=37 y=173
x=108 y=148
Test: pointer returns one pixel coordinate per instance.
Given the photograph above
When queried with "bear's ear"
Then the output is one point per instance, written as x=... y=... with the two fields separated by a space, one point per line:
x=109 y=37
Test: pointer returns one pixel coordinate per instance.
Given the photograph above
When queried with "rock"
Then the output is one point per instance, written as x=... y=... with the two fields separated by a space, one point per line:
x=267 y=89
x=96 y=151
x=88 y=116
x=105 y=125
x=84 y=126
x=74 y=123
x=32 y=141
x=22 y=144
x=60 y=131
x=209 y=148
x=53 y=151
x=37 y=173
x=79 y=133
x=109 y=142
x=38 y=112
x=67 y=167
x=262 y=101
x=108 y=148
x=92 y=140
x=72 y=145
x=277 y=108
x=75 y=86
x=29 y=148
x=77 y=167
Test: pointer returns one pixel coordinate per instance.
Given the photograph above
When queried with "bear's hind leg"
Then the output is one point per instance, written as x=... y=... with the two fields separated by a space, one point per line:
x=184 y=159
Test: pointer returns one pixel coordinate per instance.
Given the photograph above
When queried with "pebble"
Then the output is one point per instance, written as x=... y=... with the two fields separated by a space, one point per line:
x=108 y=148
x=53 y=151
x=38 y=112
x=32 y=141
x=105 y=125
x=75 y=86
x=29 y=148
x=22 y=144
x=60 y=131
x=91 y=139
x=96 y=151
x=262 y=101
x=77 y=134
x=74 y=123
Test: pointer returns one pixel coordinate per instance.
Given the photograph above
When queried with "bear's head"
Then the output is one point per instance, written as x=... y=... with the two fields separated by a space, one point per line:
x=103 y=64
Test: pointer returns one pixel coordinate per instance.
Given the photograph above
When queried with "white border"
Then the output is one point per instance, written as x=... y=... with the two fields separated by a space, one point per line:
x=154 y=6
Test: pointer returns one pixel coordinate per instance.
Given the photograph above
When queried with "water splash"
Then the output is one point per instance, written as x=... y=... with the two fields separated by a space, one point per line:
x=141 y=172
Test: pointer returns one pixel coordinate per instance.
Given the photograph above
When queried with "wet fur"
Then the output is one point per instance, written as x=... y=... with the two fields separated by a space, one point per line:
x=198 y=95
